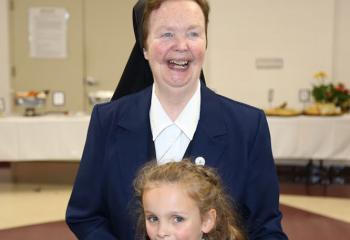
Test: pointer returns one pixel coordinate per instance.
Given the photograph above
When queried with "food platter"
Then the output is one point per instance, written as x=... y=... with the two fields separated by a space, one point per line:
x=285 y=113
x=322 y=109
x=31 y=100
x=282 y=111
x=316 y=109
x=321 y=115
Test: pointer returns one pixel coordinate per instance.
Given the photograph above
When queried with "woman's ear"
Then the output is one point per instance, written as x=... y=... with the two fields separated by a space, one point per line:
x=209 y=221
x=145 y=54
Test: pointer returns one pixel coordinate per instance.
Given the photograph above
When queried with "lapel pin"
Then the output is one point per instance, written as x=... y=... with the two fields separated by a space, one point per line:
x=200 y=161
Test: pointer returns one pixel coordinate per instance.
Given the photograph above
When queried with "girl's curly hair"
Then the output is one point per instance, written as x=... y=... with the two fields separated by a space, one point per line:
x=202 y=184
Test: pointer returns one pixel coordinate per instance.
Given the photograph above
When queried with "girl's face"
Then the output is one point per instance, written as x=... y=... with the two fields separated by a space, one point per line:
x=176 y=45
x=171 y=214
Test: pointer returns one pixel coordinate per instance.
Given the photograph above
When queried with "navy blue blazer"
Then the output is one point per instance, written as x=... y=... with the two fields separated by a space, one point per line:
x=232 y=137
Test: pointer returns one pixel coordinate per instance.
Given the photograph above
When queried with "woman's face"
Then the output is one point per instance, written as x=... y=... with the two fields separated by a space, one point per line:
x=171 y=214
x=176 y=45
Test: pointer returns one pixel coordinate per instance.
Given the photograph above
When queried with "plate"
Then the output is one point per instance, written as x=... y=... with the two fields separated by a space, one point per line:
x=283 y=115
x=277 y=112
x=322 y=115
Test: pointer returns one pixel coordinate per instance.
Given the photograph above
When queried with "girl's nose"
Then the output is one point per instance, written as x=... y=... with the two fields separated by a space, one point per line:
x=163 y=231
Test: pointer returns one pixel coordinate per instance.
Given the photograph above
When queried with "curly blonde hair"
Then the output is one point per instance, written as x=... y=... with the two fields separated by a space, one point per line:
x=202 y=184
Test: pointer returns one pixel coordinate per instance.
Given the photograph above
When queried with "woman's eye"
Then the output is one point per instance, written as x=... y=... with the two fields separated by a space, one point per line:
x=167 y=35
x=178 y=219
x=152 y=219
x=193 y=34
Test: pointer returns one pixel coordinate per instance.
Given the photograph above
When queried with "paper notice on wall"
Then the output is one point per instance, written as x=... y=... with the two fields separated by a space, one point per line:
x=48 y=32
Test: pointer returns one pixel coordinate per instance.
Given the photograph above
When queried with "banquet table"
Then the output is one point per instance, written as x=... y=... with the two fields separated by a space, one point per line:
x=311 y=137
x=51 y=137
x=42 y=138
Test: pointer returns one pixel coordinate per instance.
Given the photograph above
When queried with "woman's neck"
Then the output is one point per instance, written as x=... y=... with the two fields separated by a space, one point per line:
x=174 y=100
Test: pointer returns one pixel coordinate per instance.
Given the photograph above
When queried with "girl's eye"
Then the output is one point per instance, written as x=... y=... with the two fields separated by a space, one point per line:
x=178 y=219
x=167 y=35
x=152 y=219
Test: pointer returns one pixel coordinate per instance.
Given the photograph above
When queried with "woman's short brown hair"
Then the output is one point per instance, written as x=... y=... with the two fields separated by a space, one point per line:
x=152 y=5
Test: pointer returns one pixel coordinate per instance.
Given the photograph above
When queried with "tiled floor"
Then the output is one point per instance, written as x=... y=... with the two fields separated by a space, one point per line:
x=28 y=204
x=303 y=225
x=25 y=204
x=336 y=208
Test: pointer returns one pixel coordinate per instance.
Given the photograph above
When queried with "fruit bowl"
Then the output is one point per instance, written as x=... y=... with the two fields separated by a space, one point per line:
x=31 y=100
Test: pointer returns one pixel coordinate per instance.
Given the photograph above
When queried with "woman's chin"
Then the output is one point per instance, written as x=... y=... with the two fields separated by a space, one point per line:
x=180 y=78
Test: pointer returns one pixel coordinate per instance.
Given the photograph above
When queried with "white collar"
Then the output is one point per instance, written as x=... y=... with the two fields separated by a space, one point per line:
x=187 y=120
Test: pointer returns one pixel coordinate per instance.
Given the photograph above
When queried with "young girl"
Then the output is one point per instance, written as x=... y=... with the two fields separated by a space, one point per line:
x=184 y=201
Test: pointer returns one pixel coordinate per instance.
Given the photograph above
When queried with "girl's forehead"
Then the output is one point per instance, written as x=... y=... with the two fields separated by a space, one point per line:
x=168 y=193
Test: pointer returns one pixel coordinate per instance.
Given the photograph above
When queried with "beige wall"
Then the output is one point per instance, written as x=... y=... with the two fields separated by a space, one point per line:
x=53 y=74
x=4 y=54
x=300 y=32
x=99 y=40
x=105 y=57
x=309 y=35
x=107 y=19
x=342 y=41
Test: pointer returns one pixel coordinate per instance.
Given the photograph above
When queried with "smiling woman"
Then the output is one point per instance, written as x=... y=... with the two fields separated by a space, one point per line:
x=175 y=45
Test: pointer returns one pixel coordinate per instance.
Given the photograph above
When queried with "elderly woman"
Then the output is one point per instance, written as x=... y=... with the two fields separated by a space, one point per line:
x=176 y=117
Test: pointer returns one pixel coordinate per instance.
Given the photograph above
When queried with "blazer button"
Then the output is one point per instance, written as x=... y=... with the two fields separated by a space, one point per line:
x=200 y=161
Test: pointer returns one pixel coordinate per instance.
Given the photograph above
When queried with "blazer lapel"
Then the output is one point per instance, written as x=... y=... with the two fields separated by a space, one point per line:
x=210 y=138
x=135 y=146
x=133 y=136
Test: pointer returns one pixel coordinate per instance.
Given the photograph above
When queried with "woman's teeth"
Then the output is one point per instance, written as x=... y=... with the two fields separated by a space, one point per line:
x=181 y=64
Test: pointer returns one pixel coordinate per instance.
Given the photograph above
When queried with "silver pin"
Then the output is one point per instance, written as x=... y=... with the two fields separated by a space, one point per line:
x=200 y=161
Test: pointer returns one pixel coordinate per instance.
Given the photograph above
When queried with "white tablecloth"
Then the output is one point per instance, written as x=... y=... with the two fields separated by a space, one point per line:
x=309 y=137
x=42 y=138
x=63 y=137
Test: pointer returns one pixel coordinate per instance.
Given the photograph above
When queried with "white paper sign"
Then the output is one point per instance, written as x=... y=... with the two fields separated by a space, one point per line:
x=58 y=98
x=48 y=32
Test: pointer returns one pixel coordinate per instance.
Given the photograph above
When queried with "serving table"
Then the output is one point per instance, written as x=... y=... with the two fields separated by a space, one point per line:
x=52 y=137
x=42 y=138
x=311 y=137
